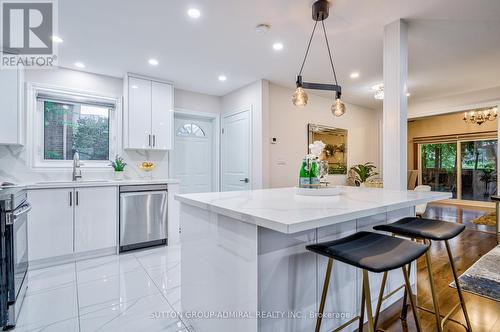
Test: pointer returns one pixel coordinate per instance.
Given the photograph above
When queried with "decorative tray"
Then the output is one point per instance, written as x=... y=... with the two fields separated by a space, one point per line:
x=319 y=191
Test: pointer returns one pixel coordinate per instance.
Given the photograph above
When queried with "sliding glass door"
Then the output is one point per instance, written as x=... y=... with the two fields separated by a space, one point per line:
x=439 y=166
x=474 y=177
x=479 y=169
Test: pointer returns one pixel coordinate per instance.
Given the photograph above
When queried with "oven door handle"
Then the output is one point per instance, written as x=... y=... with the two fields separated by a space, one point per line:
x=13 y=216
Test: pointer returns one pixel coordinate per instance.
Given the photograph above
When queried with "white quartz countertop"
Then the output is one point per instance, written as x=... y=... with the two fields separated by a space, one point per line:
x=284 y=211
x=95 y=183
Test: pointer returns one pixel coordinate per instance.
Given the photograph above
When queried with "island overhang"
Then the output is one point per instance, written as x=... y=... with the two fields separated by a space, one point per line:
x=282 y=210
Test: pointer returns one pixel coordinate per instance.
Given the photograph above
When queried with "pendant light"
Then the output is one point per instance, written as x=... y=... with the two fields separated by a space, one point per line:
x=320 y=11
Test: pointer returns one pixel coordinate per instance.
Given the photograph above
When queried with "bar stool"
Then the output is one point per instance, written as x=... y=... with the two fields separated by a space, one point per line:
x=372 y=252
x=428 y=230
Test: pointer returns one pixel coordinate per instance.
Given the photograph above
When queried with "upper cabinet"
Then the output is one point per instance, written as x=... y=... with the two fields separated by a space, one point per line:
x=148 y=114
x=11 y=106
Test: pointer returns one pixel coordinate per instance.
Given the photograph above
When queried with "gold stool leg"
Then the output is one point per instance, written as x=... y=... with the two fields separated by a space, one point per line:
x=368 y=301
x=380 y=299
x=404 y=308
x=435 y=301
x=410 y=298
x=323 y=295
x=362 y=311
x=459 y=288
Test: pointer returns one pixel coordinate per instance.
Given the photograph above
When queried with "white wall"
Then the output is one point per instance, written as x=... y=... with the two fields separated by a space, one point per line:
x=288 y=124
x=198 y=102
x=256 y=96
x=14 y=164
x=454 y=103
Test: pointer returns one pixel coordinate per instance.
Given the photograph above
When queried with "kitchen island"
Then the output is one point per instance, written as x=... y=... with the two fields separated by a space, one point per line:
x=244 y=266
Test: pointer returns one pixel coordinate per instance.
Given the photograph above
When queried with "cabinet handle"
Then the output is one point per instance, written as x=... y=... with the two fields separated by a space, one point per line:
x=149 y=140
x=77 y=196
x=70 y=198
x=154 y=140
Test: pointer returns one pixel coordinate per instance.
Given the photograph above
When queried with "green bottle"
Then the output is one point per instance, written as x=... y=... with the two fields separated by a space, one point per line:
x=304 y=175
x=314 y=173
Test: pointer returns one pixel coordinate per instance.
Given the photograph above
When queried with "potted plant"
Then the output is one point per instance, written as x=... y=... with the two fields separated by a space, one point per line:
x=119 y=166
x=363 y=172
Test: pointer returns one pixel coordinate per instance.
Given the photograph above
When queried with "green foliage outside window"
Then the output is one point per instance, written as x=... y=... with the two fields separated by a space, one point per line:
x=68 y=129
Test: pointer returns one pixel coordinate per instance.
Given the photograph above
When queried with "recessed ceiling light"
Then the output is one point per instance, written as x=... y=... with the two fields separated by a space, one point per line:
x=79 y=65
x=354 y=75
x=194 y=13
x=57 y=39
x=134 y=87
x=153 y=62
x=222 y=78
x=408 y=94
x=278 y=46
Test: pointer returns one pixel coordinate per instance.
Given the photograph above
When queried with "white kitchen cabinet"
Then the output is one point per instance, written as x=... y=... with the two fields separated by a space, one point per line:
x=68 y=222
x=95 y=218
x=162 y=115
x=11 y=106
x=148 y=114
x=139 y=115
x=50 y=223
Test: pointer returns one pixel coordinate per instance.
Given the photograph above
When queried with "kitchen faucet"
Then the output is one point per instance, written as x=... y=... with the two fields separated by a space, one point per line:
x=77 y=172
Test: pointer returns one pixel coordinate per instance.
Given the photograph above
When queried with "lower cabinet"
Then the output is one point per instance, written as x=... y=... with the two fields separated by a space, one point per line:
x=95 y=218
x=71 y=221
x=50 y=223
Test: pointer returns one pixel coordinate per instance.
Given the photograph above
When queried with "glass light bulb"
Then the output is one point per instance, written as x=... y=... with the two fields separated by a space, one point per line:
x=338 y=108
x=299 y=97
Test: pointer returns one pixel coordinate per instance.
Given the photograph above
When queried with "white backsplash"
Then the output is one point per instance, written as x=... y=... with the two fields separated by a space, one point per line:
x=15 y=168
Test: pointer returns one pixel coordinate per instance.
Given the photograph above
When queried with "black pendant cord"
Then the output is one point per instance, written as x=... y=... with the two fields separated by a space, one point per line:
x=308 y=46
x=329 y=53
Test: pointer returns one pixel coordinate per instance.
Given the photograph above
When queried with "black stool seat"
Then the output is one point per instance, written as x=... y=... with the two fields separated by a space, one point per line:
x=423 y=228
x=371 y=251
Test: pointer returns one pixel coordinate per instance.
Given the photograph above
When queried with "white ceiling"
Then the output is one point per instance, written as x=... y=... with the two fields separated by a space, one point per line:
x=454 y=44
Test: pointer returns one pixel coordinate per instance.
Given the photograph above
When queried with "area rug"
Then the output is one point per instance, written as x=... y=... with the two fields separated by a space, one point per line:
x=483 y=278
x=488 y=219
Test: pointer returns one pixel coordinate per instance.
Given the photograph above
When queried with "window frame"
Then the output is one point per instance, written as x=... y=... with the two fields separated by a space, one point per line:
x=37 y=120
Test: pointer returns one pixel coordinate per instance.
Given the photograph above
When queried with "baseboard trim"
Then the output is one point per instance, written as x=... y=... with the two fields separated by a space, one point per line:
x=71 y=258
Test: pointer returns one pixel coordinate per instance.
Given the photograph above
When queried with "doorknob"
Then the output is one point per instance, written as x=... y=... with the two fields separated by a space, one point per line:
x=246 y=180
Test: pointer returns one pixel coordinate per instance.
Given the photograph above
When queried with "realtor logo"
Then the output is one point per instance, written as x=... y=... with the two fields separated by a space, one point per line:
x=27 y=30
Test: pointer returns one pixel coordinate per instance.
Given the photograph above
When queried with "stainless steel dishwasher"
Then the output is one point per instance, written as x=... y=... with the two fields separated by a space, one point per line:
x=143 y=216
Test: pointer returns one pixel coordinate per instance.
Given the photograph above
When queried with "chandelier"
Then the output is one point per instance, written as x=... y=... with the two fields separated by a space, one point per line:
x=320 y=11
x=480 y=116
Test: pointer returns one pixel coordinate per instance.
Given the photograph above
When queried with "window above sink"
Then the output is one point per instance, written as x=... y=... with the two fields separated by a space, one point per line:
x=64 y=122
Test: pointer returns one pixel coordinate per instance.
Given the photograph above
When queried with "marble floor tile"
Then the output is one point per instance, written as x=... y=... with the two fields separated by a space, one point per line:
x=166 y=276
x=137 y=291
x=115 y=289
x=45 y=308
x=168 y=280
x=150 y=313
x=106 y=267
x=68 y=325
x=159 y=256
x=51 y=277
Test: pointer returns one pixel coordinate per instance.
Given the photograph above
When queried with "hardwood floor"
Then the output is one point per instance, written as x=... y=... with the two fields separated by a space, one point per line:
x=467 y=248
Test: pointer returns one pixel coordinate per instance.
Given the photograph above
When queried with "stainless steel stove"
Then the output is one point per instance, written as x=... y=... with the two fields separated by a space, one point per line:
x=14 y=208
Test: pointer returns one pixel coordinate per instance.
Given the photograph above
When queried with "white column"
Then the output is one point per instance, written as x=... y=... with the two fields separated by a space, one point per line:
x=395 y=105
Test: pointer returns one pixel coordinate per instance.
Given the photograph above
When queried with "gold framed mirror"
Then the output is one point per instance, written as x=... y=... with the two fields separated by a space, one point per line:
x=335 y=151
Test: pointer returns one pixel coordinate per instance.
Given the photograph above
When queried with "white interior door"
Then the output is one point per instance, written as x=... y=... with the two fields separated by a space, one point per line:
x=194 y=154
x=235 y=154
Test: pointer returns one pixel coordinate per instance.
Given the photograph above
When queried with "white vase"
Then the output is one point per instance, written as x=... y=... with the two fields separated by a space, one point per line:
x=362 y=185
x=119 y=175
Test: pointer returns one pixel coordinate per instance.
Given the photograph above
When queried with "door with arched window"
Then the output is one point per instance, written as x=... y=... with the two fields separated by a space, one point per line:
x=194 y=153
